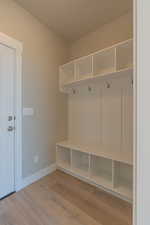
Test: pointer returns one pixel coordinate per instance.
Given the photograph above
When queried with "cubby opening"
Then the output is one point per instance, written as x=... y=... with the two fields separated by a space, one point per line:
x=124 y=55
x=123 y=179
x=104 y=62
x=67 y=73
x=110 y=62
x=80 y=163
x=101 y=171
x=84 y=68
x=63 y=157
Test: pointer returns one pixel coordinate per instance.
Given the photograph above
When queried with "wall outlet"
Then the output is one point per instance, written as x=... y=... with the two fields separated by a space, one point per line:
x=36 y=159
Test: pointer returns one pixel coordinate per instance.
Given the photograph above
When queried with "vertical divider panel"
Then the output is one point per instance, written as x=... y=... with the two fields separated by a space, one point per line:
x=60 y=79
x=75 y=71
x=122 y=120
x=127 y=139
x=115 y=59
x=70 y=158
x=125 y=55
x=67 y=73
x=92 y=65
x=111 y=119
x=89 y=165
x=101 y=116
x=104 y=62
x=113 y=173
x=56 y=153
x=84 y=67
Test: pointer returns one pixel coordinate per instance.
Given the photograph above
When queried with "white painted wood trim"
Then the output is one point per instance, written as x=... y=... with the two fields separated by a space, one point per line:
x=113 y=173
x=135 y=218
x=11 y=42
x=77 y=79
x=88 y=176
x=142 y=139
x=18 y=122
x=143 y=111
x=37 y=176
x=18 y=47
x=70 y=159
x=81 y=149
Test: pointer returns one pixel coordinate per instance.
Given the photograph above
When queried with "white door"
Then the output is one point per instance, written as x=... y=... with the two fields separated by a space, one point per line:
x=7 y=131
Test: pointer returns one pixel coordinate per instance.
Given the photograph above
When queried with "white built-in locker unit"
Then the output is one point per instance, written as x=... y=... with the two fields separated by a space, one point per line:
x=99 y=147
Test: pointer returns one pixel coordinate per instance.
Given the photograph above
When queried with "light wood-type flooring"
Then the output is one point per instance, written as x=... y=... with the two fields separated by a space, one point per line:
x=60 y=199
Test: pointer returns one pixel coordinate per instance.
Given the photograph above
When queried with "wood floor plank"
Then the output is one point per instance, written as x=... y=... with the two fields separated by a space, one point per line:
x=60 y=199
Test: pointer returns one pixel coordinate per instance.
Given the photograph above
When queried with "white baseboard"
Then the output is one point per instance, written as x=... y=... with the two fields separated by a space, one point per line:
x=35 y=177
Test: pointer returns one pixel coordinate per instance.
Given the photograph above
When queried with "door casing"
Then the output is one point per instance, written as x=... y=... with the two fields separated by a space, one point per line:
x=18 y=47
x=142 y=112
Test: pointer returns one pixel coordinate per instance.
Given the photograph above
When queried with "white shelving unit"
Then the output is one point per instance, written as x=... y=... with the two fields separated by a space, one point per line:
x=110 y=62
x=104 y=62
x=84 y=68
x=99 y=146
x=100 y=171
x=67 y=73
x=64 y=157
x=123 y=178
x=124 y=55
x=80 y=163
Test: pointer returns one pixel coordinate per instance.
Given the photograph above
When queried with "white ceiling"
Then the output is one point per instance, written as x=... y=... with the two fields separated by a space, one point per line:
x=73 y=18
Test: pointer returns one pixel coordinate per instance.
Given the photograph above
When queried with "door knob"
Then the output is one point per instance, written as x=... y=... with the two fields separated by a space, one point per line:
x=10 y=128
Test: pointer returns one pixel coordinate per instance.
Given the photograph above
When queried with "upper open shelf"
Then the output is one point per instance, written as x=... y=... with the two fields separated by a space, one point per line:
x=110 y=62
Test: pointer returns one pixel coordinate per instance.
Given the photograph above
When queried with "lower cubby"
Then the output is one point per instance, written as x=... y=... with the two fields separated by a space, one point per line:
x=114 y=176
x=123 y=179
x=63 y=157
x=80 y=163
x=101 y=171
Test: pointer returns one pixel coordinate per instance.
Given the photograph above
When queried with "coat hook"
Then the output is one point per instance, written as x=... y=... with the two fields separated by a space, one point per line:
x=89 y=88
x=107 y=84
x=132 y=82
x=74 y=91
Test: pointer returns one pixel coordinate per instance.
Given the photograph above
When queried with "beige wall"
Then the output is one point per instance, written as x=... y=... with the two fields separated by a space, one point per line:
x=118 y=30
x=43 y=52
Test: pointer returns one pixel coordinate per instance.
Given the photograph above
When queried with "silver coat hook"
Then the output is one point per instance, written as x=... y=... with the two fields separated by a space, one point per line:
x=89 y=89
x=132 y=82
x=107 y=84
x=74 y=91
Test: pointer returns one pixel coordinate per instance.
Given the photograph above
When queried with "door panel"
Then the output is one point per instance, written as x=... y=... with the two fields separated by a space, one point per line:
x=7 y=70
